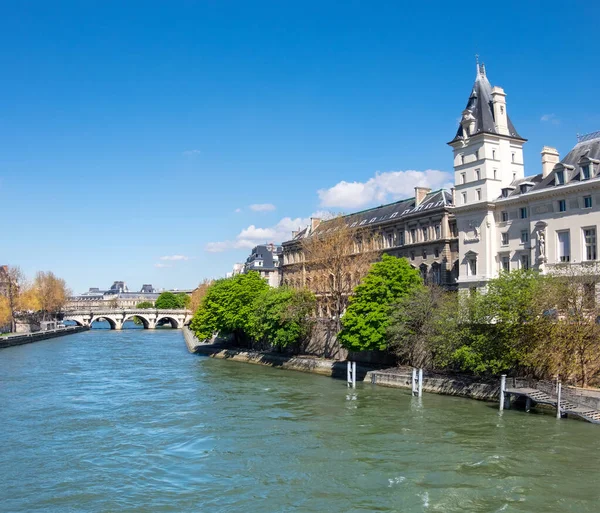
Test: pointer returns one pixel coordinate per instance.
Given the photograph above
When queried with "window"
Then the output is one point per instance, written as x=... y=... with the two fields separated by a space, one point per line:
x=504 y=216
x=463 y=178
x=562 y=205
x=424 y=254
x=425 y=233
x=390 y=240
x=504 y=238
x=525 y=262
x=476 y=154
x=472 y=266
x=413 y=235
x=585 y=172
x=589 y=236
x=402 y=238
x=505 y=263
x=587 y=202
x=523 y=212
x=478 y=174
x=564 y=246
x=462 y=158
x=560 y=177
x=412 y=255
x=494 y=154
x=478 y=194
x=524 y=237
x=438 y=231
x=495 y=174
x=436 y=253
x=512 y=157
x=464 y=198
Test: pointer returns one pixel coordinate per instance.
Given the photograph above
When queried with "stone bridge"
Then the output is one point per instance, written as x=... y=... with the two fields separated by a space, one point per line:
x=116 y=317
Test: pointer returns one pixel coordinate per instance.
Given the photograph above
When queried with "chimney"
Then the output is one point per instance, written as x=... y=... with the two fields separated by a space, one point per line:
x=550 y=158
x=420 y=193
x=499 y=106
x=314 y=223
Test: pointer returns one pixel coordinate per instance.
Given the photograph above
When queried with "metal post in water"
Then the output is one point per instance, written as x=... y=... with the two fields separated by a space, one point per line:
x=558 y=394
x=353 y=374
x=502 y=390
x=414 y=381
x=420 y=382
x=349 y=370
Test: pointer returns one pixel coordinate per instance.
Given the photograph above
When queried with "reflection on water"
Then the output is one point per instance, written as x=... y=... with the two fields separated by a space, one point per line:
x=129 y=421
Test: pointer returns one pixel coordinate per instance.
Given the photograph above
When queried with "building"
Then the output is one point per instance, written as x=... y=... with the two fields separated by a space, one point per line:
x=265 y=259
x=421 y=229
x=117 y=296
x=507 y=220
x=238 y=268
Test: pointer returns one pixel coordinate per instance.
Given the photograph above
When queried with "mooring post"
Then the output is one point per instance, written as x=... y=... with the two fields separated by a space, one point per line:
x=414 y=381
x=353 y=374
x=558 y=394
x=502 y=390
x=349 y=370
x=420 y=382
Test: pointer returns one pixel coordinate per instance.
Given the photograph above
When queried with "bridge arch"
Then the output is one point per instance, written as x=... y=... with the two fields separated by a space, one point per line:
x=172 y=320
x=113 y=322
x=148 y=323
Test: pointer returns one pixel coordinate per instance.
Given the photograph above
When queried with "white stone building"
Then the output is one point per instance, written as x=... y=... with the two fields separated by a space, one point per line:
x=507 y=220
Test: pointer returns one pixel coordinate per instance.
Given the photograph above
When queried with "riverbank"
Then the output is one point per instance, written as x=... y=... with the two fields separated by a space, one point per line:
x=18 y=339
x=392 y=377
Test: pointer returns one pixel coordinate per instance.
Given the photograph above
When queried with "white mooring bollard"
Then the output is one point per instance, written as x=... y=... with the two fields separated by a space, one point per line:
x=558 y=394
x=502 y=390
x=351 y=374
x=414 y=382
x=420 y=382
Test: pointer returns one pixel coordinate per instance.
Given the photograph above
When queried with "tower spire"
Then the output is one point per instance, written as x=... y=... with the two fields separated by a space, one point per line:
x=477 y=63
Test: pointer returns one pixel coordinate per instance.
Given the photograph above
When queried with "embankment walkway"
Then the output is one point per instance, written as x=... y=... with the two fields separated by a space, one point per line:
x=19 y=339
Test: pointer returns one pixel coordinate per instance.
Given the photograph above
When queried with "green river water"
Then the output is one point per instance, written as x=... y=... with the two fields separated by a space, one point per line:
x=129 y=421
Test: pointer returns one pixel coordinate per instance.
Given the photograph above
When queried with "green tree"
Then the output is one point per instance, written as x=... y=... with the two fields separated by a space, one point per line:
x=367 y=318
x=503 y=327
x=184 y=300
x=170 y=301
x=228 y=306
x=145 y=304
x=281 y=316
x=424 y=327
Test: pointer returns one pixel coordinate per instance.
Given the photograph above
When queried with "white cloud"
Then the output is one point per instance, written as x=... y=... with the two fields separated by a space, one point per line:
x=162 y=266
x=237 y=210
x=550 y=118
x=254 y=235
x=382 y=188
x=175 y=258
x=191 y=153
x=262 y=207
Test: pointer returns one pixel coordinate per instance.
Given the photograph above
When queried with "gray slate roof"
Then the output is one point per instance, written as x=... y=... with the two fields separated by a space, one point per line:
x=588 y=146
x=384 y=213
x=480 y=106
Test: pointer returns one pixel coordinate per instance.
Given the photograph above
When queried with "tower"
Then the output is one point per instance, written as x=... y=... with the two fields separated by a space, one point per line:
x=488 y=151
x=488 y=157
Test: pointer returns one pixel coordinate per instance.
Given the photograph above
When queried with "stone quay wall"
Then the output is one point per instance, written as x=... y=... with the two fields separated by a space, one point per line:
x=28 y=338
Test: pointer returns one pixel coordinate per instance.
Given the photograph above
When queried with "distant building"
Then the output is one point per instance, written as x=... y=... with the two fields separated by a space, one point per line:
x=265 y=259
x=118 y=295
x=237 y=269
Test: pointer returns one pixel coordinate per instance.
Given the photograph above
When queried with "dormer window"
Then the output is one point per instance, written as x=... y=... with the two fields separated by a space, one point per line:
x=560 y=178
x=585 y=172
x=506 y=191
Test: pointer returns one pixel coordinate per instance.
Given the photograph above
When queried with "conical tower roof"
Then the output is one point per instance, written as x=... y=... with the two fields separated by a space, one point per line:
x=480 y=107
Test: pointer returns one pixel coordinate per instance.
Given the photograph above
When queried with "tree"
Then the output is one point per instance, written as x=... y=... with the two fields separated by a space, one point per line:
x=15 y=286
x=424 y=327
x=198 y=294
x=280 y=316
x=145 y=305
x=51 y=293
x=367 y=318
x=184 y=300
x=227 y=306
x=168 y=301
x=336 y=258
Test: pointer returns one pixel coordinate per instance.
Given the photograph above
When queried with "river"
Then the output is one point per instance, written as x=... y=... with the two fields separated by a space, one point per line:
x=129 y=421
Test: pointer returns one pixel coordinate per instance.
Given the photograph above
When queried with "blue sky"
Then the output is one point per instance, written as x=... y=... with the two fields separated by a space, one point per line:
x=134 y=131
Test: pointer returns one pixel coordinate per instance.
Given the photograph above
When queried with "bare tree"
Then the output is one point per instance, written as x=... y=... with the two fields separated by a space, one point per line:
x=335 y=258
x=14 y=286
x=198 y=294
